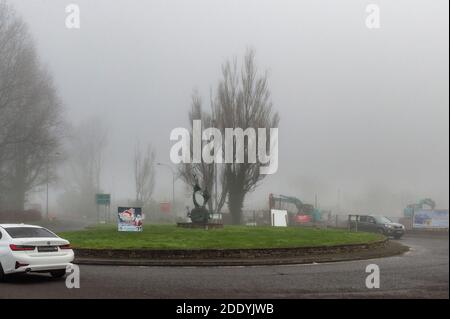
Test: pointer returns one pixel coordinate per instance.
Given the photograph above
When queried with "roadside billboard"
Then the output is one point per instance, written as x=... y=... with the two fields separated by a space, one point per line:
x=428 y=218
x=129 y=219
x=279 y=217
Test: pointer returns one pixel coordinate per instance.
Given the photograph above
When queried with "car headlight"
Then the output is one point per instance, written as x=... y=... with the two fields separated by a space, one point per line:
x=388 y=226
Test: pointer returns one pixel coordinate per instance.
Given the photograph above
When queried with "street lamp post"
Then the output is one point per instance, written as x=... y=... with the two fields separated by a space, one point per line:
x=215 y=173
x=46 y=193
x=47 y=182
x=173 y=183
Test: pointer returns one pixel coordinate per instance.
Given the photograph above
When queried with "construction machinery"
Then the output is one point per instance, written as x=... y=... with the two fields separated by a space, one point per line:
x=420 y=205
x=298 y=211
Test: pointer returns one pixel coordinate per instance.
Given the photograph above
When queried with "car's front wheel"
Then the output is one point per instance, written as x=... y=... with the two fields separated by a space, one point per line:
x=58 y=273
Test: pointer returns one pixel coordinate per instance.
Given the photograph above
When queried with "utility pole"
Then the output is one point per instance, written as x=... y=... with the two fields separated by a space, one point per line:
x=339 y=200
x=46 y=193
x=173 y=183
x=173 y=193
x=215 y=188
x=47 y=182
x=215 y=172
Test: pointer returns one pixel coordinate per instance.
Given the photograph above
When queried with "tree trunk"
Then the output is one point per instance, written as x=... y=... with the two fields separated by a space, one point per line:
x=235 y=204
x=18 y=200
x=18 y=190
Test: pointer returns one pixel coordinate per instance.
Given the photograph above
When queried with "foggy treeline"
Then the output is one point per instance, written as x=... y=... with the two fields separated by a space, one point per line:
x=31 y=120
x=37 y=142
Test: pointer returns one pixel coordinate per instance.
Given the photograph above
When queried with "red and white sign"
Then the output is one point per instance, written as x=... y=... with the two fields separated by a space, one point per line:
x=165 y=207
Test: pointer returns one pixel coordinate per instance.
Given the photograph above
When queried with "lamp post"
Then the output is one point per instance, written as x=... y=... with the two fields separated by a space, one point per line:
x=173 y=183
x=214 y=122
x=46 y=193
x=48 y=177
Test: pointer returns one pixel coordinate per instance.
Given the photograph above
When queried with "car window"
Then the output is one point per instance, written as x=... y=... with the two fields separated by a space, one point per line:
x=363 y=219
x=371 y=220
x=383 y=220
x=28 y=232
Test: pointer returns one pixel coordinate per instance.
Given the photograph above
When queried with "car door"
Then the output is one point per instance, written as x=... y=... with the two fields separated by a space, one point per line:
x=371 y=224
x=362 y=223
x=3 y=245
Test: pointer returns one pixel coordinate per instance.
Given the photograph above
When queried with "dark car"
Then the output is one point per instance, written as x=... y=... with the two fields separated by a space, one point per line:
x=378 y=224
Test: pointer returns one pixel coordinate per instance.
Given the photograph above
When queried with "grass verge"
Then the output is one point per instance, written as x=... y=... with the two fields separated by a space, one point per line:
x=172 y=237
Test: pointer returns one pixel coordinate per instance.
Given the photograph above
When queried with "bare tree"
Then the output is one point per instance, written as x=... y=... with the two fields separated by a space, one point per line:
x=243 y=101
x=144 y=174
x=30 y=114
x=85 y=151
x=204 y=172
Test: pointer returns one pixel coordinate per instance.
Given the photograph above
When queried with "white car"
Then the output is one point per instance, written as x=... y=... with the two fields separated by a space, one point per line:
x=28 y=248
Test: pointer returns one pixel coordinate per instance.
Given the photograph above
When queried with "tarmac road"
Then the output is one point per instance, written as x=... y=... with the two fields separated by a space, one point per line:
x=421 y=273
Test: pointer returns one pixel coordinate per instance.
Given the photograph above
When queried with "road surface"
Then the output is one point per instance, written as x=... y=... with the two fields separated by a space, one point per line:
x=420 y=273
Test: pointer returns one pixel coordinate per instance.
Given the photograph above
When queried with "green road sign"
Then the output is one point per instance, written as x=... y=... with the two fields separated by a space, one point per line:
x=103 y=199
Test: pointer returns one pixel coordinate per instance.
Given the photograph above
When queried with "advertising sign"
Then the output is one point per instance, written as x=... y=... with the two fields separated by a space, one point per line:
x=129 y=219
x=430 y=219
x=279 y=217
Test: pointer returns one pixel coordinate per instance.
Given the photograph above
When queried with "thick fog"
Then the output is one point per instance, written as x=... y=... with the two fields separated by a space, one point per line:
x=363 y=112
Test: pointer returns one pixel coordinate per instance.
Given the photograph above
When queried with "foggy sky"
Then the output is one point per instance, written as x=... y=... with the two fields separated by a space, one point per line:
x=362 y=111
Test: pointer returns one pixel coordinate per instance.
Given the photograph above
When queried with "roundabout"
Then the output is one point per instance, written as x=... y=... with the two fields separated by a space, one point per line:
x=165 y=245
